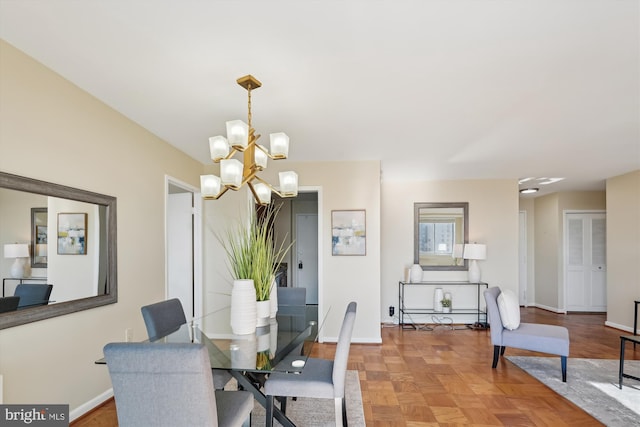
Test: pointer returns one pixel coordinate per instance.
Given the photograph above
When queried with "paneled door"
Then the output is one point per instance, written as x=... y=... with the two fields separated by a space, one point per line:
x=585 y=262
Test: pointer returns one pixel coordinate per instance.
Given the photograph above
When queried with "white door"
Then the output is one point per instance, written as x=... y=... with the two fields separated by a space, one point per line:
x=306 y=265
x=522 y=253
x=585 y=262
x=180 y=250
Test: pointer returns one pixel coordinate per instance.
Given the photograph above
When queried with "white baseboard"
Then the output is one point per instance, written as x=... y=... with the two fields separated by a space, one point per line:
x=88 y=406
x=617 y=326
x=549 y=308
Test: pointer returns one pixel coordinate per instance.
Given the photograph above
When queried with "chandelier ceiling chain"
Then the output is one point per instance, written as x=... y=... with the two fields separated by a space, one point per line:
x=234 y=174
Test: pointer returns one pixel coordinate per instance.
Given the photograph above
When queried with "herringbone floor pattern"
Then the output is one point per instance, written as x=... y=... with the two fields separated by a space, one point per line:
x=444 y=378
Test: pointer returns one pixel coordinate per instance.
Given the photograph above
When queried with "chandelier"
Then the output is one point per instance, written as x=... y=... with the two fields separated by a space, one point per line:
x=241 y=138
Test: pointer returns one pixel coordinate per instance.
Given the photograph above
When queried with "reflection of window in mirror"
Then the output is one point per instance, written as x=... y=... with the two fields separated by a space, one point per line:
x=439 y=231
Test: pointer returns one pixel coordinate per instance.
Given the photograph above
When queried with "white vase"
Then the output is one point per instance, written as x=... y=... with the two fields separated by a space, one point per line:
x=263 y=310
x=263 y=338
x=437 y=300
x=243 y=307
x=243 y=351
x=415 y=274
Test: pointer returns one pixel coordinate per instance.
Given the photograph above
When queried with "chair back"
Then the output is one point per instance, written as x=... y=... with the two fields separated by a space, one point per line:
x=33 y=294
x=163 y=317
x=8 y=304
x=493 y=314
x=342 y=350
x=292 y=296
x=162 y=384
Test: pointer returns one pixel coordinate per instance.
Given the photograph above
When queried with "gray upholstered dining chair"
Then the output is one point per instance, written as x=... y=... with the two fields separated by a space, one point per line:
x=164 y=317
x=291 y=296
x=171 y=385
x=320 y=378
x=32 y=294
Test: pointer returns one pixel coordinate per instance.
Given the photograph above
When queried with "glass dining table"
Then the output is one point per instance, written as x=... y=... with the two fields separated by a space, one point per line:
x=282 y=345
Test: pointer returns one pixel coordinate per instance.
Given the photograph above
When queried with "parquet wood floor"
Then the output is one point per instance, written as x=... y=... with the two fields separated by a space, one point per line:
x=444 y=377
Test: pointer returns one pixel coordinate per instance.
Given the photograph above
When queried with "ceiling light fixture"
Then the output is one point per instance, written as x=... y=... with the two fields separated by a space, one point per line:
x=234 y=174
x=529 y=190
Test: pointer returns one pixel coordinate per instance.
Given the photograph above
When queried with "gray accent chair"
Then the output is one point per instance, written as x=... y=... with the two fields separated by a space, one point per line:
x=552 y=339
x=164 y=317
x=320 y=378
x=171 y=385
x=32 y=294
x=8 y=304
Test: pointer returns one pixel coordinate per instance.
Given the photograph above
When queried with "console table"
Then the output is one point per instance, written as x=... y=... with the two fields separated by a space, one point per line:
x=21 y=280
x=402 y=310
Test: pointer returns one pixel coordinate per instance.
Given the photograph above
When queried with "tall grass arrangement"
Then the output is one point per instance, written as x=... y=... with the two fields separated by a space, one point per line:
x=253 y=253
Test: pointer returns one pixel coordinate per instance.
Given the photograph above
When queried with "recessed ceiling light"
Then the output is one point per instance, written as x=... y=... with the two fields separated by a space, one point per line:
x=547 y=181
x=529 y=190
x=523 y=180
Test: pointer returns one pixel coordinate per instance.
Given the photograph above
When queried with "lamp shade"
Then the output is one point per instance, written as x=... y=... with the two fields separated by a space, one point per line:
x=260 y=157
x=279 y=145
x=41 y=249
x=231 y=173
x=263 y=191
x=16 y=250
x=238 y=134
x=209 y=186
x=219 y=147
x=475 y=251
x=288 y=184
x=457 y=250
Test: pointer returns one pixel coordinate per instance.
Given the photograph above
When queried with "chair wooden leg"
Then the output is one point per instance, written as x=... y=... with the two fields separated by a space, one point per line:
x=268 y=422
x=496 y=355
x=563 y=363
x=502 y=349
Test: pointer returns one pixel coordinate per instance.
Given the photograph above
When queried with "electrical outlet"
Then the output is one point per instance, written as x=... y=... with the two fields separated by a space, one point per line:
x=128 y=335
x=392 y=310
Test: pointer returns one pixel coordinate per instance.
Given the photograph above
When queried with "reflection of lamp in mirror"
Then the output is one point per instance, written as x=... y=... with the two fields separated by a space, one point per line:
x=474 y=252
x=457 y=252
x=17 y=251
x=41 y=251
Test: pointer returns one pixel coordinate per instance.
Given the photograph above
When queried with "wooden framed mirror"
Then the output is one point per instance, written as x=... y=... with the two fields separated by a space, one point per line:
x=79 y=282
x=39 y=237
x=440 y=230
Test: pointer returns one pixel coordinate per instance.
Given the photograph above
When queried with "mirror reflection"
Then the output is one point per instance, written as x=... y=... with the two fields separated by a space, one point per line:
x=43 y=217
x=440 y=231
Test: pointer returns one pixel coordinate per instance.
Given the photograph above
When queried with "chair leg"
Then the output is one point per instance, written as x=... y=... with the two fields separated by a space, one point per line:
x=341 y=412
x=563 y=363
x=502 y=349
x=268 y=422
x=283 y=404
x=496 y=355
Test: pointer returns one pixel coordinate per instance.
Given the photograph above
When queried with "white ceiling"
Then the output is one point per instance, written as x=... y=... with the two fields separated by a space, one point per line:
x=448 y=89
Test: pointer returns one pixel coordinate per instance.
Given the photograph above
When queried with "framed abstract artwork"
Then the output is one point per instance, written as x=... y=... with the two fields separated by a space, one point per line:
x=72 y=233
x=348 y=232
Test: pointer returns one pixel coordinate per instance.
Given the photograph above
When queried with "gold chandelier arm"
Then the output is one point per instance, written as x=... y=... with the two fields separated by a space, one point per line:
x=273 y=189
x=216 y=197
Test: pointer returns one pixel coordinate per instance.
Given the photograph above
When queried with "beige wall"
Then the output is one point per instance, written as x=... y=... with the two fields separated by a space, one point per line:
x=53 y=131
x=527 y=206
x=548 y=235
x=623 y=248
x=493 y=220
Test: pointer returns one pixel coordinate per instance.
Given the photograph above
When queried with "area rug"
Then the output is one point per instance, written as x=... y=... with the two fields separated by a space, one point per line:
x=305 y=412
x=592 y=384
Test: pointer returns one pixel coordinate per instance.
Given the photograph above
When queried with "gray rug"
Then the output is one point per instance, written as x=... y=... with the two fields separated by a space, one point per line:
x=592 y=384
x=306 y=412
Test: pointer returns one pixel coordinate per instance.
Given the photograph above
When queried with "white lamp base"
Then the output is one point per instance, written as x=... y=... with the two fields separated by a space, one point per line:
x=17 y=269
x=474 y=272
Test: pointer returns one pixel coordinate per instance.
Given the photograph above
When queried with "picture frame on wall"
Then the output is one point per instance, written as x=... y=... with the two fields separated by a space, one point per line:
x=72 y=233
x=348 y=232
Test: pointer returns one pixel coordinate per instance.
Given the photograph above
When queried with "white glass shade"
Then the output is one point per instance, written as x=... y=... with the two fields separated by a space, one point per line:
x=16 y=250
x=475 y=251
x=209 y=186
x=231 y=173
x=219 y=147
x=263 y=191
x=288 y=184
x=279 y=145
x=238 y=134
x=260 y=157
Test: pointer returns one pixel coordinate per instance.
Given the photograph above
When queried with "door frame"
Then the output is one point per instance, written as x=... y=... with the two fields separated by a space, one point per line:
x=197 y=241
x=562 y=290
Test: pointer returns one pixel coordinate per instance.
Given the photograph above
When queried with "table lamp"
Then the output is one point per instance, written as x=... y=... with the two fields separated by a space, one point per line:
x=17 y=251
x=474 y=252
